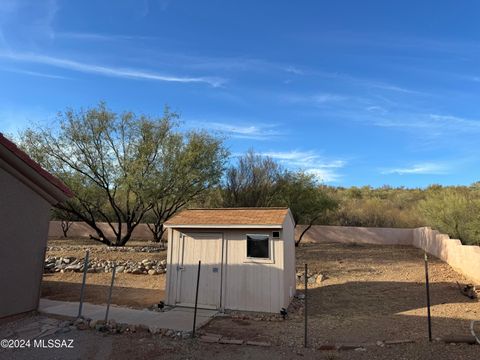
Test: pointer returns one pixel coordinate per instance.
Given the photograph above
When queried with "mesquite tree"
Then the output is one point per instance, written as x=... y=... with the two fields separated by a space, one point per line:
x=111 y=162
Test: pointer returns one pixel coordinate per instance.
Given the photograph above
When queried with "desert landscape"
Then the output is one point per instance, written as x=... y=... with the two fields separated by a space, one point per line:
x=362 y=297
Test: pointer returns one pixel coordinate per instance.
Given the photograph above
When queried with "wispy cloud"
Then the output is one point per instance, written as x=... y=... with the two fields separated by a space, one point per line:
x=310 y=162
x=255 y=131
x=435 y=123
x=318 y=99
x=419 y=169
x=129 y=73
x=35 y=73
x=294 y=70
x=99 y=36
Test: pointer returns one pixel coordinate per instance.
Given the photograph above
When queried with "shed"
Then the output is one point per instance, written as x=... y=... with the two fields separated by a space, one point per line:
x=27 y=193
x=247 y=255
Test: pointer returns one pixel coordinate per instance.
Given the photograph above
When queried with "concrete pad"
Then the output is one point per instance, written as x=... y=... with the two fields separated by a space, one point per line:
x=177 y=319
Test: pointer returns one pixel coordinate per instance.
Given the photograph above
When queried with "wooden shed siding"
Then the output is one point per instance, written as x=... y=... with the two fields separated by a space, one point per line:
x=252 y=286
x=289 y=260
x=247 y=284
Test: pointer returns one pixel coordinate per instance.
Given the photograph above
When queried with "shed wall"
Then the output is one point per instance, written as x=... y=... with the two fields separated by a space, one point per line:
x=24 y=219
x=289 y=260
x=247 y=284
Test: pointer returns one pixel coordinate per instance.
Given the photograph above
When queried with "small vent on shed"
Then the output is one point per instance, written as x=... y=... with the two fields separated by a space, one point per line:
x=276 y=234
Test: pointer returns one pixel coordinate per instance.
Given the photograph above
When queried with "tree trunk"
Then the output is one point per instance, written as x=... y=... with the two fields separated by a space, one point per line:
x=303 y=233
x=65 y=227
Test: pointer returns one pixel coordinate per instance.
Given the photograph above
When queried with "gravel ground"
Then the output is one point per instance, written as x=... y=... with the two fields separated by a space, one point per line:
x=371 y=293
x=90 y=344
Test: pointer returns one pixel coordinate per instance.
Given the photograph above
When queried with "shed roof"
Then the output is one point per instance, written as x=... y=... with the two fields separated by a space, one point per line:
x=230 y=217
x=32 y=172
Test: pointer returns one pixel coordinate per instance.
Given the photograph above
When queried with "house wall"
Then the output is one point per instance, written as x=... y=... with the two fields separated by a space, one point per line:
x=250 y=285
x=24 y=219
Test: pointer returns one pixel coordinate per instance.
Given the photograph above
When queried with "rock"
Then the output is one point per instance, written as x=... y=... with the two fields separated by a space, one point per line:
x=397 y=342
x=152 y=272
x=120 y=269
x=231 y=341
x=258 y=343
x=320 y=278
x=77 y=267
x=327 y=347
x=209 y=339
x=141 y=328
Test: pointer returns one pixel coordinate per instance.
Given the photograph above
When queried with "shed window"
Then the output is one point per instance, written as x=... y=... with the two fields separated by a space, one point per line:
x=258 y=246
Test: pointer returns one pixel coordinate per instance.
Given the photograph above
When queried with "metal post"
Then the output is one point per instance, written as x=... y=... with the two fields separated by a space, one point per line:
x=110 y=293
x=305 y=308
x=85 y=268
x=196 y=299
x=427 y=284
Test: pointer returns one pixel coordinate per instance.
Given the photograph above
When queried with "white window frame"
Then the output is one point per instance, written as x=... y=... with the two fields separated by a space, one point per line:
x=271 y=250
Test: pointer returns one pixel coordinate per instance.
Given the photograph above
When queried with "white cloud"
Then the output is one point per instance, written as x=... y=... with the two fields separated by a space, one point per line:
x=420 y=169
x=34 y=73
x=99 y=36
x=432 y=123
x=294 y=70
x=245 y=131
x=310 y=162
x=128 y=73
x=318 y=99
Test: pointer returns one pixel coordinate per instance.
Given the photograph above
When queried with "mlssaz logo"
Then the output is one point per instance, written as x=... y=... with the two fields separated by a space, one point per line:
x=53 y=343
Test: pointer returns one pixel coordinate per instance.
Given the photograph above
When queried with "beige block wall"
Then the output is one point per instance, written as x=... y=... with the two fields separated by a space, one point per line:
x=24 y=219
x=465 y=259
x=360 y=235
x=82 y=230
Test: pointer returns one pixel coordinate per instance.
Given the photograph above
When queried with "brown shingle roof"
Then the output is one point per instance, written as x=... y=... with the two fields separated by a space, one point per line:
x=230 y=216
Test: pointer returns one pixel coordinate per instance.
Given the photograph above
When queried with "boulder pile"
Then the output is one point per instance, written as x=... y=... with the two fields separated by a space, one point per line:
x=64 y=264
x=101 y=248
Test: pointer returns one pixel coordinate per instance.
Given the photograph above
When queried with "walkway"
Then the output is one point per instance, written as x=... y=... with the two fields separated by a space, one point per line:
x=178 y=319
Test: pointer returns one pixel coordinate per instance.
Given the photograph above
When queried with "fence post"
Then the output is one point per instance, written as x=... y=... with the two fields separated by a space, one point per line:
x=110 y=293
x=82 y=290
x=196 y=300
x=427 y=285
x=305 y=308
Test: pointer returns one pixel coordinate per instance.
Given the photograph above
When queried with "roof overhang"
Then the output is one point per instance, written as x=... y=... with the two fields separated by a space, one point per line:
x=18 y=164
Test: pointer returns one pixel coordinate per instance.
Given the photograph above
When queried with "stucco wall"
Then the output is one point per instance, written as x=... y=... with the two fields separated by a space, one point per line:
x=82 y=230
x=24 y=219
x=465 y=259
x=360 y=235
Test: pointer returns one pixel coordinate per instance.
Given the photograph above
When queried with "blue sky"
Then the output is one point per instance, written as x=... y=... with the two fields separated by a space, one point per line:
x=355 y=92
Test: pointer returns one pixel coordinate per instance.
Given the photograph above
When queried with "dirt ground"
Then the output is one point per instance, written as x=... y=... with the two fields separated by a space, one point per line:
x=371 y=293
x=136 y=291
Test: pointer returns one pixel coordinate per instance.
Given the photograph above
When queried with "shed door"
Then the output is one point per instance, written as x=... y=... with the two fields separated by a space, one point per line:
x=206 y=247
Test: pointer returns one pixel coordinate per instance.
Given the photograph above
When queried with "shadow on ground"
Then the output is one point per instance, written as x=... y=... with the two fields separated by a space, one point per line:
x=363 y=312
x=98 y=294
